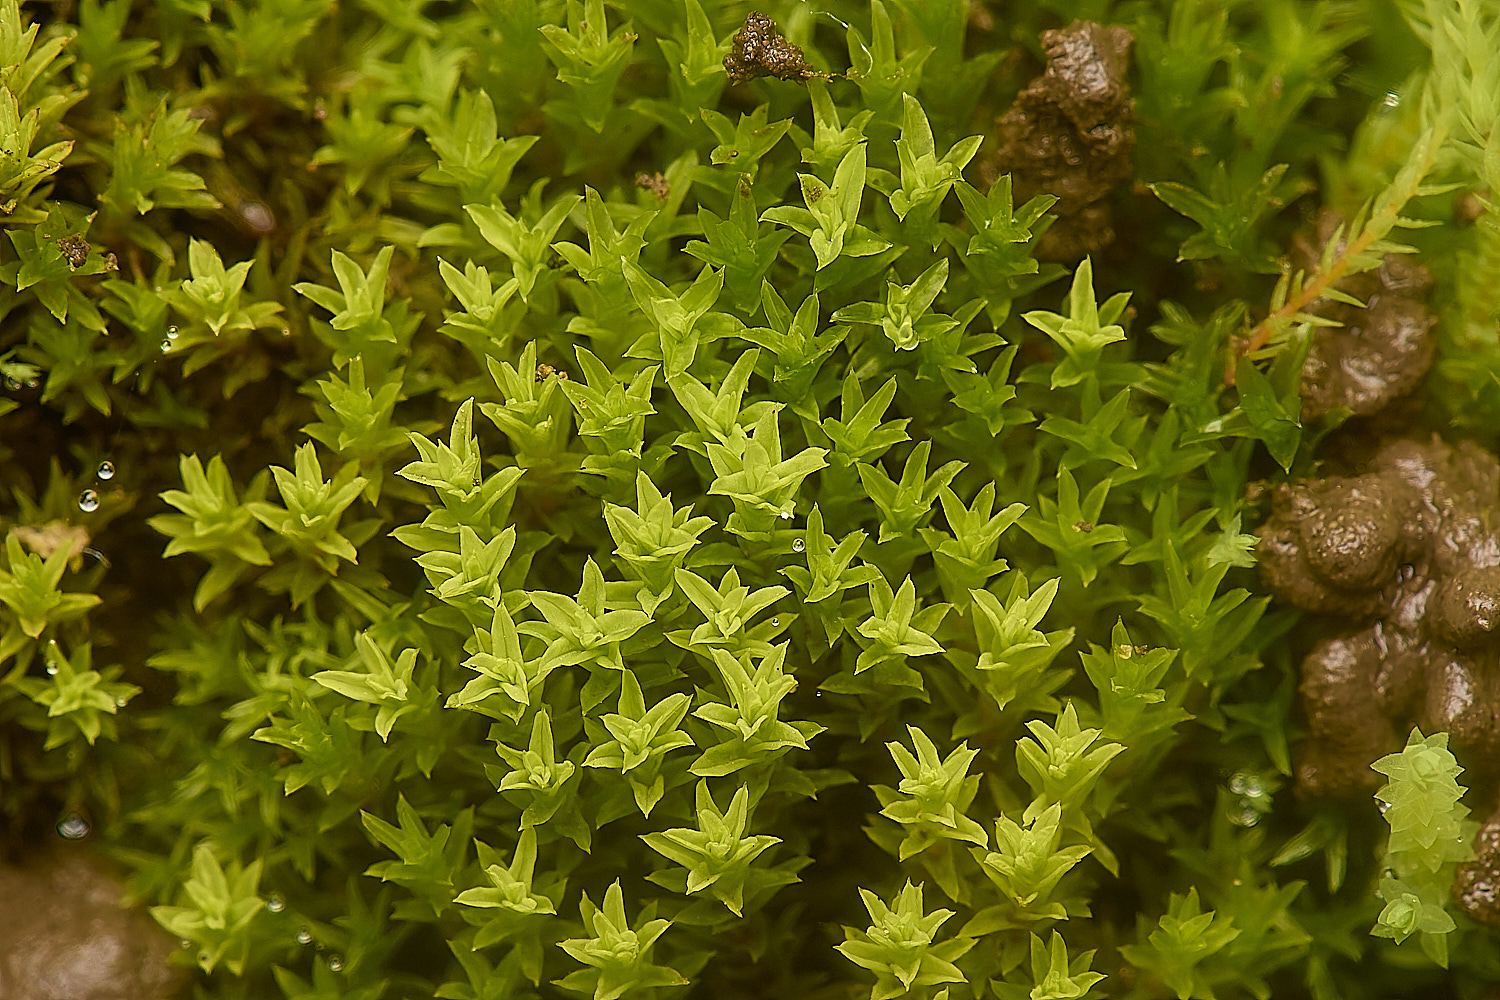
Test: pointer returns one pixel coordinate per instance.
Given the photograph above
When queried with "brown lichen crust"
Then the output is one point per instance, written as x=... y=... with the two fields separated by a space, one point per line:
x=760 y=49
x=1069 y=135
x=1380 y=353
x=1408 y=552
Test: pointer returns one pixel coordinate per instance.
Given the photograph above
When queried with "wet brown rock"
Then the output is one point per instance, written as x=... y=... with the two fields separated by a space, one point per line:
x=760 y=49
x=1407 y=551
x=1477 y=888
x=1382 y=352
x=65 y=936
x=1069 y=135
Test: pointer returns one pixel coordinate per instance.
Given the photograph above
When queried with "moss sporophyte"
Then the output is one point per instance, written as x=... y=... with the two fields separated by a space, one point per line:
x=906 y=498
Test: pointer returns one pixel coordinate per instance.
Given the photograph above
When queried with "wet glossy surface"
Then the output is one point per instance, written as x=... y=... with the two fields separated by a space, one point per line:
x=1382 y=352
x=1069 y=134
x=1404 y=556
x=64 y=935
x=759 y=49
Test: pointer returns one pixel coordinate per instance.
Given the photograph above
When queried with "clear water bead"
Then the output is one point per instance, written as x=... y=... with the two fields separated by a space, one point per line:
x=1244 y=814
x=799 y=545
x=172 y=333
x=106 y=471
x=786 y=515
x=304 y=936
x=88 y=501
x=166 y=345
x=73 y=827
x=1247 y=784
x=775 y=622
x=335 y=964
x=275 y=904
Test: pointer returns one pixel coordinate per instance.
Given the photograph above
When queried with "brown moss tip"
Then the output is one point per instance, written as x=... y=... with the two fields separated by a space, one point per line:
x=655 y=183
x=760 y=49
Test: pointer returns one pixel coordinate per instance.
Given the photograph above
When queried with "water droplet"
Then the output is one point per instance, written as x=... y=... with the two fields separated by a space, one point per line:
x=335 y=964
x=799 y=545
x=257 y=216
x=88 y=501
x=775 y=622
x=1391 y=99
x=786 y=515
x=1244 y=814
x=12 y=384
x=184 y=944
x=275 y=904
x=166 y=345
x=1383 y=807
x=73 y=827
x=121 y=701
x=52 y=669
x=286 y=331
x=818 y=694
x=304 y=936
x=106 y=471
x=1247 y=784
x=171 y=333
x=32 y=383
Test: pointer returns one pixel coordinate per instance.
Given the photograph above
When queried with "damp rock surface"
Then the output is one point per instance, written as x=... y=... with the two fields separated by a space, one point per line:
x=1477 y=888
x=65 y=936
x=1379 y=354
x=1069 y=134
x=1406 y=553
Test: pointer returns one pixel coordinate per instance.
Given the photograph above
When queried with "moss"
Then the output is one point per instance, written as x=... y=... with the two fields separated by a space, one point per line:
x=570 y=498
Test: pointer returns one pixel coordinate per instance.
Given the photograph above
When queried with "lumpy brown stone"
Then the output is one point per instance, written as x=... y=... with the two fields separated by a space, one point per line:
x=65 y=936
x=1477 y=888
x=1406 y=551
x=1378 y=354
x=760 y=49
x=1069 y=134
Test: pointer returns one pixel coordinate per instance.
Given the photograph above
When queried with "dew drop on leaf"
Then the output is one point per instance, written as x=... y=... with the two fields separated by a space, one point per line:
x=1244 y=814
x=171 y=333
x=106 y=471
x=73 y=827
x=166 y=345
x=799 y=545
x=88 y=501
x=52 y=669
x=775 y=622
x=335 y=964
x=1246 y=784
x=275 y=904
x=304 y=936
x=786 y=515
